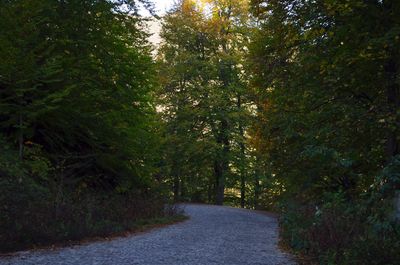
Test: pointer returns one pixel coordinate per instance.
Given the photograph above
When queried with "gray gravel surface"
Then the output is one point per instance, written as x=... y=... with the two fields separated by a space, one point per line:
x=212 y=235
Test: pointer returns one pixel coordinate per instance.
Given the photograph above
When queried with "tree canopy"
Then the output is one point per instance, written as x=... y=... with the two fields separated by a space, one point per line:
x=288 y=106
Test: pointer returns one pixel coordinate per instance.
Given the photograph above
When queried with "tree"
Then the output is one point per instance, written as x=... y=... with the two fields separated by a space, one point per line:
x=205 y=89
x=76 y=98
x=323 y=74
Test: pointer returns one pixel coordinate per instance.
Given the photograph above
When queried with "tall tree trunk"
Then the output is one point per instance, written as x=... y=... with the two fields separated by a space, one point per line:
x=220 y=183
x=258 y=168
x=242 y=191
x=222 y=166
x=242 y=156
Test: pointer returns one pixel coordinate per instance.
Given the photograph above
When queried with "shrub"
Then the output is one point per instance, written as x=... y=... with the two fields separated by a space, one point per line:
x=35 y=212
x=343 y=231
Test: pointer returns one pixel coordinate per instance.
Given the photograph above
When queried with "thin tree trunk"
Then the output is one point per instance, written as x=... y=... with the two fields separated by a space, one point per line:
x=220 y=183
x=210 y=191
x=242 y=157
x=60 y=190
x=176 y=188
x=242 y=191
x=21 y=138
x=182 y=189
x=221 y=163
x=177 y=182
x=257 y=183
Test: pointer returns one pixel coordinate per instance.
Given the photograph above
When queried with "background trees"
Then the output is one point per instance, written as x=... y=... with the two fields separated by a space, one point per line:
x=205 y=104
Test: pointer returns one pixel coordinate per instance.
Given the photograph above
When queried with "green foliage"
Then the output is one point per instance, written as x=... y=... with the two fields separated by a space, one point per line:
x=294 y=107
x=83 y=93
x=325 y=74
x=340 y=231
x=77 y=122
x=205 y=106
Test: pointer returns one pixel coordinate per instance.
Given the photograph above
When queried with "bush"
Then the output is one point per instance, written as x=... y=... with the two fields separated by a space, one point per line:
x=34 y=210
x=36 y=221
x=343 y=231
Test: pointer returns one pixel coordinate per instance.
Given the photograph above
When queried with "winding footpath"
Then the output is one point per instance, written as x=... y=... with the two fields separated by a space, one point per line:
x=213 y=235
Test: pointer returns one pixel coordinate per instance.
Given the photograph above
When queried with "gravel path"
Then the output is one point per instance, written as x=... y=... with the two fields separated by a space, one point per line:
x=212 y=235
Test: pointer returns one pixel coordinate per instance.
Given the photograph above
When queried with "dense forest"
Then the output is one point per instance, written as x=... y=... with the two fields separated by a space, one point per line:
x=291 y=106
